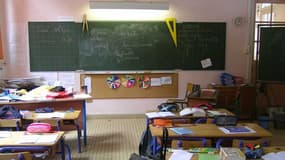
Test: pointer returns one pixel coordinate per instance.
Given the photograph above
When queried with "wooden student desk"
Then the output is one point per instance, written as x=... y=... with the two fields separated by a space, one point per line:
x=60 y=104
x=67 y=115
x=265 y=150
x=12 y=140
x=188 y=117
x=210 y=131
x=71 y=117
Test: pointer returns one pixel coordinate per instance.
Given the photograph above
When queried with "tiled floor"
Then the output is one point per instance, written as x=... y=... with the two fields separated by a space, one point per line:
x=117 y=138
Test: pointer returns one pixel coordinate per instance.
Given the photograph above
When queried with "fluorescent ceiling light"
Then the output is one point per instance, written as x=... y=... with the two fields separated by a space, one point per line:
x=127 y=14
x=149 y=5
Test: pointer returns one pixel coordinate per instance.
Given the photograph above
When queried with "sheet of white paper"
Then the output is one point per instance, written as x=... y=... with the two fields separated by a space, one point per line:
x=166 y=80
x=81 y=96
x=37 y=138
x=87 y=82
x=5 y=134
x=155 y=82
x=28 y=139
x=206 y=63
x=274 y=156
x=166 y=114
x=152 y=115
x=159 y=114
x=51 y=115
x=181 y=155
x=47 y=138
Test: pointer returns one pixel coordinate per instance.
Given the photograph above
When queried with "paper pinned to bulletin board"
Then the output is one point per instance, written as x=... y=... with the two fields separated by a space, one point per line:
x=165 y=86
x=87 y=83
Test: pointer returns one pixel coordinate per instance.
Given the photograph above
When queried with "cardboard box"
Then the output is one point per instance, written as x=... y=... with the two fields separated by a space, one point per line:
x=231 y=154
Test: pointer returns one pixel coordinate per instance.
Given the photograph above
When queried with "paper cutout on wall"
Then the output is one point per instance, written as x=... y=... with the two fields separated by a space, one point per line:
x=144 y=81
x=128 y=81
x=113 y=81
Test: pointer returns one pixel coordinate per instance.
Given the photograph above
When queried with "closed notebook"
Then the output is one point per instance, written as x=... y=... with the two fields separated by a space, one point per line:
x=237 y=129
x=181 y=130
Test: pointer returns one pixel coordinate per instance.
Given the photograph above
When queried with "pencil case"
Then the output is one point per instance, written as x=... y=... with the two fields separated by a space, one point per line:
x=39 y=128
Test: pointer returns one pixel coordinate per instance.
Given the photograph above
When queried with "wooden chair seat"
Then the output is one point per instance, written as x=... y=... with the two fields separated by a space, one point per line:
x=11 y=123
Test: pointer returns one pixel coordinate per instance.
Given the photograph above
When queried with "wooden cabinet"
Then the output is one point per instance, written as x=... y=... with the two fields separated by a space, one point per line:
x=199 y=100
x=226 y=95
x=241 y=100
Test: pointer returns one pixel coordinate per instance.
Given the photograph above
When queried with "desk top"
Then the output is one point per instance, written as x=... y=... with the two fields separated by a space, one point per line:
x=213 y=131
x=15 y=136
x=221 y=110
x=67 y=115
x=44 y=101
x=265 y=149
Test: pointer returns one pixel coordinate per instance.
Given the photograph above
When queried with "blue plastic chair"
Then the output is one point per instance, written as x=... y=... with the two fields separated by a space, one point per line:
x=186 y=143
x=240 y=143
x=57 y=123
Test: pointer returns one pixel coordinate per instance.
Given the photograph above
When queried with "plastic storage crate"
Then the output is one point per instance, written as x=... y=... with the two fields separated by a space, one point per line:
x=279 y=120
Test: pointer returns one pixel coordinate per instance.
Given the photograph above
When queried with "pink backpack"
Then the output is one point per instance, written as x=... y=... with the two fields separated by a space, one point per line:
x=39 y=128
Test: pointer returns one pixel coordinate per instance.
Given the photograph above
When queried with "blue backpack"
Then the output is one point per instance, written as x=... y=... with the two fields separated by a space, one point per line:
x=9 y=112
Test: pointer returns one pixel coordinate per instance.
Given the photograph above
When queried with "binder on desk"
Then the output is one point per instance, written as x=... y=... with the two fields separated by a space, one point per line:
x=236 y=129
x=181 y=130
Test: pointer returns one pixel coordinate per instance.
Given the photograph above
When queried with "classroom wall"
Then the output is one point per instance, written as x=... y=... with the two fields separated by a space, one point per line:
x=16 y=13
x=1 y=45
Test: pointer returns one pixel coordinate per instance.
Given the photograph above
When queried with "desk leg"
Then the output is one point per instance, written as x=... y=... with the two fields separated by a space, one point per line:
x=84 y=122
x=154 y=145
x=62 y=149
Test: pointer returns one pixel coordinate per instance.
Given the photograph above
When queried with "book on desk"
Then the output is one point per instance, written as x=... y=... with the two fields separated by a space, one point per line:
x=196 y=112
x=236 y=129
x=181 y=130
x=159 y=114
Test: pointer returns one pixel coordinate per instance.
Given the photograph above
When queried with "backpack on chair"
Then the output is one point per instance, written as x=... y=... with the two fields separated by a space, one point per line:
x=9 y=112
x=145 y=147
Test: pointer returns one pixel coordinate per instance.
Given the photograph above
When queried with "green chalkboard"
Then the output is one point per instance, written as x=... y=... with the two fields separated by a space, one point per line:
x=53 y=46
x=271 y=57
x=136 y=45
x=202 y=40
x=127 y=46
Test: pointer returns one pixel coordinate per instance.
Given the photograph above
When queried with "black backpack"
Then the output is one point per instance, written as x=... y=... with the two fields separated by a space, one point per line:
x=9 y=112
x=145 y=147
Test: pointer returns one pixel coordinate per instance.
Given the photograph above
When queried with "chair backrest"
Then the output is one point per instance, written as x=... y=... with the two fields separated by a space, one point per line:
x=225 y=142
x=191 y=142
x=241 y=143
x=16 y=156
x=189 y=89
x=11 y=123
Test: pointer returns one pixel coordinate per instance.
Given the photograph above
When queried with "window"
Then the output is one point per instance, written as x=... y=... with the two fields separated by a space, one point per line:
x=266 y=14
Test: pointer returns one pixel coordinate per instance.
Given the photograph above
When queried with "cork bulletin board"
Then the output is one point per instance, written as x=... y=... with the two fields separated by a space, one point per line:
x=100 y=89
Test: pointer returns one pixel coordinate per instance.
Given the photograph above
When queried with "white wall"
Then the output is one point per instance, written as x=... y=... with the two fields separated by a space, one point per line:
x=16 y=14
